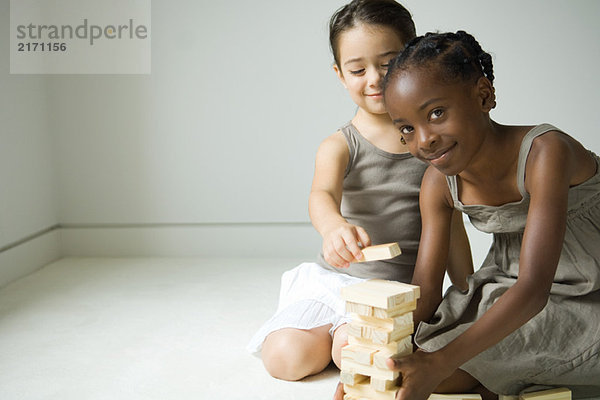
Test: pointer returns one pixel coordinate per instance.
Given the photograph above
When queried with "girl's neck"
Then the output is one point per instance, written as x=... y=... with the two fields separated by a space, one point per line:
x=498 y=156
x=366 y=121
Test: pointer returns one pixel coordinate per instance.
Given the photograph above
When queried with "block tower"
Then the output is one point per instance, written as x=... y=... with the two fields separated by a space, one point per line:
x=382 y=325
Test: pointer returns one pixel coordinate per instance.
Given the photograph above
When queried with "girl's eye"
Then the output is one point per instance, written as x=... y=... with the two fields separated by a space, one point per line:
x=387 y=63
x=437 y=113
x=358 y=71
x=405 y=130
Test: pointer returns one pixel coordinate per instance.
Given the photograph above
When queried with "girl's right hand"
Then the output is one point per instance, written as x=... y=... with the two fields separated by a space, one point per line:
x=341 y=245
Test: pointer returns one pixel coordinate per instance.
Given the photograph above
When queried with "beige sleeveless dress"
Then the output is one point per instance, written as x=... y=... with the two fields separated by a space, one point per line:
x=559 y=346
x=381 y=194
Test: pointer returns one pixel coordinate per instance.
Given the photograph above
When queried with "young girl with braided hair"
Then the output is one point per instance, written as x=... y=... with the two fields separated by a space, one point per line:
x=531 y=313
x=365 y=190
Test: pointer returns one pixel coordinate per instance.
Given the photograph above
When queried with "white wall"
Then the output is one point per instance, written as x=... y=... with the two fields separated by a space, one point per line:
x=218 y=142
x=28 y=200
x=223 y=131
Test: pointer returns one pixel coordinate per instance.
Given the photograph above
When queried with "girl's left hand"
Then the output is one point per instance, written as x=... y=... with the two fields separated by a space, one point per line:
x=420 y=374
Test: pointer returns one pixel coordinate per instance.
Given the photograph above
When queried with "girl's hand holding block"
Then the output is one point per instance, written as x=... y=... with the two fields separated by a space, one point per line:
x=380 y=252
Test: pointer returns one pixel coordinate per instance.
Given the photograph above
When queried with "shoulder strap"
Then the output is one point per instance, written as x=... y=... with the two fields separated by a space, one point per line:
x=352 y=141
x=453 y=186
x=524 y=152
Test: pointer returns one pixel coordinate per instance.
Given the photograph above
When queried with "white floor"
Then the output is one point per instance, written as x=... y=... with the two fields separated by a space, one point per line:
x=133 y=329
x=143 y=329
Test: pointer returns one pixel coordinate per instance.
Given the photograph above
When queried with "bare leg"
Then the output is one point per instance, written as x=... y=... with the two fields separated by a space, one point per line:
x=340 y=339
x=292 y=354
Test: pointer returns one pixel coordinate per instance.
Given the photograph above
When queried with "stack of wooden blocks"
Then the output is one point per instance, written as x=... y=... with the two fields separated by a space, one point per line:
x=382 y=325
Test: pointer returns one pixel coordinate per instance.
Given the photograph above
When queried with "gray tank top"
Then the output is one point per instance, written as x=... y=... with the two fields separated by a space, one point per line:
x=381 y=194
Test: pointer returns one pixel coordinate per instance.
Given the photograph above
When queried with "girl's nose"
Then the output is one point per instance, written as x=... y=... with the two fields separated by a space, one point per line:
x=427 y=140
x=375 y=77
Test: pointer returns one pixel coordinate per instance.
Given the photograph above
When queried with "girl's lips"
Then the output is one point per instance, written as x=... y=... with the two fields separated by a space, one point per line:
x=440 y=157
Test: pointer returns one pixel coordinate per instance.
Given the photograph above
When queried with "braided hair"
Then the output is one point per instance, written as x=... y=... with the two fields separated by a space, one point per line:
x=455 y=55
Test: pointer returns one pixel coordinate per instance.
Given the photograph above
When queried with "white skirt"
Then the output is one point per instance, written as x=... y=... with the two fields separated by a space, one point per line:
x=309 y=298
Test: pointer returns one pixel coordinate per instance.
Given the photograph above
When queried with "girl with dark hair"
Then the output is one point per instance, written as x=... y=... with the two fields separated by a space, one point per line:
x=365 y=191
x=531 y=313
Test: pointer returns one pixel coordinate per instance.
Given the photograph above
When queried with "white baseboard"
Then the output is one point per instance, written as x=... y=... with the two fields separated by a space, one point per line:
x=211 y=240
x=201 y=240
x=29 y=256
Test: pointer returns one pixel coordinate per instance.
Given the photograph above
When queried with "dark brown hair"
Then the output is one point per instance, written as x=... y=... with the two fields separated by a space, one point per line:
x=386 y=13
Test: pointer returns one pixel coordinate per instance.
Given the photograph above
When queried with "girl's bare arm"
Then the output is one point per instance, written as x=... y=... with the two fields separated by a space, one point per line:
x=339 y=237
x=432 y=258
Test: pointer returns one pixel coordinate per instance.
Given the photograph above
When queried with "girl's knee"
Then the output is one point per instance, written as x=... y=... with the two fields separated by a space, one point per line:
x=340 y=339
x=294 y=354
x=279 y=358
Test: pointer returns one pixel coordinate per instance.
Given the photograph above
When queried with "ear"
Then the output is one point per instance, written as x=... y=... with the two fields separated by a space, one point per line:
x=340 y=75
x=486 y=94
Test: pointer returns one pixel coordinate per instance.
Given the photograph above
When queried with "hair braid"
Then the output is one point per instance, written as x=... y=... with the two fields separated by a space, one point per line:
x=456 y=55
x=486 y=63
x=483 y=59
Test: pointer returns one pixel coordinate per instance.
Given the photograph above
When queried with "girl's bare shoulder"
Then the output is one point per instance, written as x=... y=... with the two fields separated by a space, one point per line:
x=556 y=149
x=333 y=154
x=435 y=186
x=334 y=144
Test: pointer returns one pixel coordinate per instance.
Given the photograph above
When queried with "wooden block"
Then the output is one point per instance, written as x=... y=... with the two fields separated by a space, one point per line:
x=381 y=293
x=381 y=313
x=354 y=330
x=353 y=367
x=466 y=396
x=380 y=252
x=394 y=312
x=381 y=385
x=395 y=347
x=379 y=335
x=359 y=309
x=352 y=379
x=389 y=324
x=358 y=353
x=506 y=397
x=551 y=394
x=367 y=392
x=380 y=358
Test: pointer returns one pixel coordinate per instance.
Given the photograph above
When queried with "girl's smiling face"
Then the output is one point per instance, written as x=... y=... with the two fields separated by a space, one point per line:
x=440 y=121
x=365 y=52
